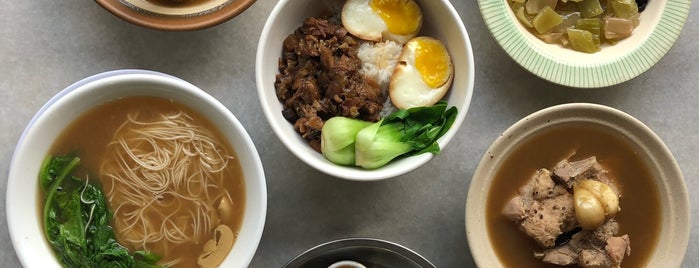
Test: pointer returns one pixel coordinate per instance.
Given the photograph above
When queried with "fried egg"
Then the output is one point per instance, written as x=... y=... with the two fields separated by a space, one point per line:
x=378 y=20
x=423 y=74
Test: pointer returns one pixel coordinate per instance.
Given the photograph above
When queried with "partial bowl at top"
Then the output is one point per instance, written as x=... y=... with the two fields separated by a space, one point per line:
x=660 y=24
x=654 y=202
x=440 y=20
x=142 y=94
x=176 y=15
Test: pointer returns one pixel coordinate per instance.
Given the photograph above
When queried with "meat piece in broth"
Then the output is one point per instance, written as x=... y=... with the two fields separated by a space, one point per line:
x=543 y=209
x=598 y=248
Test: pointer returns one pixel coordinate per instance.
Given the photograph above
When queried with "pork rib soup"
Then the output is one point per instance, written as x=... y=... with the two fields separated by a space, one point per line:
x=610 y=164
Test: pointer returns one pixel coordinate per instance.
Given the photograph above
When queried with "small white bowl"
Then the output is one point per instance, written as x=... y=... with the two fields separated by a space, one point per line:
x=22 y=187
x=660 y=25
x=674 y=201
x=440 y=21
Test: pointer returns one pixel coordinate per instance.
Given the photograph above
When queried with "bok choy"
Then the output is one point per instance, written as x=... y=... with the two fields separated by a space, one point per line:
x=414 y=131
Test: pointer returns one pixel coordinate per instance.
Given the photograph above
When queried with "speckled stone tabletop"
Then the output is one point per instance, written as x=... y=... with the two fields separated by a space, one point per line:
x=47 y=45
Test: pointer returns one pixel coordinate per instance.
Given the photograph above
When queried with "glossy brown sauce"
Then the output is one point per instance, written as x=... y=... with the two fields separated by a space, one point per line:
x=89 y=134
x=640 y=203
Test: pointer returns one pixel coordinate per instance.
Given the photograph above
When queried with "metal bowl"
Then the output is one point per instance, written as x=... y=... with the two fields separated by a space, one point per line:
x=372 y=253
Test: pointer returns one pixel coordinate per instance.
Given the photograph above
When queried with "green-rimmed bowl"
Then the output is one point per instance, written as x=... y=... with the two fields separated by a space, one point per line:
x=661 y=24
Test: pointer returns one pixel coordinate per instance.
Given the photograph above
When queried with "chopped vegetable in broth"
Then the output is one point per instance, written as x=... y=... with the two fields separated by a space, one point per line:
x=582 y=25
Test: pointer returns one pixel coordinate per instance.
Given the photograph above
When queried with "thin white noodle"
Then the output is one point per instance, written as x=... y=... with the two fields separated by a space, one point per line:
x=165 y=179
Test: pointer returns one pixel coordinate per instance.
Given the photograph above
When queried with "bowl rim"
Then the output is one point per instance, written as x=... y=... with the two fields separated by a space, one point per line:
x=254 y=219
x=353 y=242
x=619 y=69
x=678 y=215
x=176 y=23
x=392 y=170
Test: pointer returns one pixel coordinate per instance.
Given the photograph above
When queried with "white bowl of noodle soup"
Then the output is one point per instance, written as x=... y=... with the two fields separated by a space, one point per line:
x=24 y=204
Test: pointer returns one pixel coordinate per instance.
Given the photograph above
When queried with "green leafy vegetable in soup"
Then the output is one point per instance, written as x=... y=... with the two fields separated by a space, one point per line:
x=582 y=25
x=76 y=220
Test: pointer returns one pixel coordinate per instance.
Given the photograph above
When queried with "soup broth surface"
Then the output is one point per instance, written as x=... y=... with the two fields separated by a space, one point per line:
x=90 y=133
x=640 y=204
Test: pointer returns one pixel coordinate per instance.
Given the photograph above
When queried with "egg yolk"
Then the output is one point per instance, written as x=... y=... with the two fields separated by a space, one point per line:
x=432 y=61
x=402 y=17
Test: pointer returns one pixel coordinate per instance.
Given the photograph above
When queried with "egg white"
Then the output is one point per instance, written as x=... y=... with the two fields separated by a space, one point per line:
x=407 y=89
x=360 y=20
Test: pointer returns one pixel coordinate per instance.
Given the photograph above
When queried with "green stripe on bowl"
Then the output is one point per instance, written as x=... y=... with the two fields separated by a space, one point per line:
x=610 y=72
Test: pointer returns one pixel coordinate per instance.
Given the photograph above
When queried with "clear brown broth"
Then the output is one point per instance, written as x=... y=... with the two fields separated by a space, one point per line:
x=89 y=134
x=640 y=203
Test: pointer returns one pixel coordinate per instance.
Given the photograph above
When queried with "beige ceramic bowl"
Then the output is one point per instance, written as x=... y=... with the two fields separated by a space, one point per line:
x=674 y=233
x=22 y=197
x=176 y=16
x=440 y=21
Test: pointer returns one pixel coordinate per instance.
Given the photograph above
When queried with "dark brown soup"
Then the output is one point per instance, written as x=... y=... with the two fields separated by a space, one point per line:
x=640 y=205
x=89 y=136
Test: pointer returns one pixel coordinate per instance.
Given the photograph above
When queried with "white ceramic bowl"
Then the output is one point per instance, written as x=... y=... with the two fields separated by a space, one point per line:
x=660 y=25
x=440 y=21
x=22 y=187
x=674 y=201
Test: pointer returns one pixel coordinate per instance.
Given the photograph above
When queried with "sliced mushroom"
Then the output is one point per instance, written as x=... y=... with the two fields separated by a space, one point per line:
x=225 y=210
x=216 y=249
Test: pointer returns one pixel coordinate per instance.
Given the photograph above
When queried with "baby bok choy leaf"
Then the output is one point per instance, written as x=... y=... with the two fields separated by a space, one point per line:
x=337 y=139
x=414 y=131
x=406 y=132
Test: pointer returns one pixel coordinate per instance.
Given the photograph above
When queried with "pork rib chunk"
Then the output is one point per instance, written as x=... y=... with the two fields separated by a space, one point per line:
x=543 y=209
x=600 y=248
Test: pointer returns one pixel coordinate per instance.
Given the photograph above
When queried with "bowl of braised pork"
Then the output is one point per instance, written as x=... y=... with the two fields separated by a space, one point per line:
x=364 y=89
x=578 y=185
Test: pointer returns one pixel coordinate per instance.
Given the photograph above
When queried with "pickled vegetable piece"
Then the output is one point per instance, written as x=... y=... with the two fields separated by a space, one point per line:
x=590 y=8
x=535 y=6
x=550 y=38
x=591 y=25
x=623 y=8
x=617 y=28
x=546 y=20
x=523 y=17
x=581 y=40
x=569 y=20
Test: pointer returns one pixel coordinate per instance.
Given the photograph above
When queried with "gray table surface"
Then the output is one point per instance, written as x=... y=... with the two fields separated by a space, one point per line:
x=47 y=45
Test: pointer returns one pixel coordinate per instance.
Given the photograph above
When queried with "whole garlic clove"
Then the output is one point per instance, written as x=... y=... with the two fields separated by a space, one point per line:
x=605 y=194
x=588 y=209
